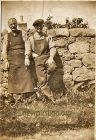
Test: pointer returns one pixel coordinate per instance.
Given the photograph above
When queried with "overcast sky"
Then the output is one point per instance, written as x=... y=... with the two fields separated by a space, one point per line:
x=32 y=10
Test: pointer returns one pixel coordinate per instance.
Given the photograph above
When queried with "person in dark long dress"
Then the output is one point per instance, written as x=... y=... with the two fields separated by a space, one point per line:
x=20 y=79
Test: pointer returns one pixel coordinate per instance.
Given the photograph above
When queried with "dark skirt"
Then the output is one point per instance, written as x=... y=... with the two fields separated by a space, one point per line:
x=20 y=79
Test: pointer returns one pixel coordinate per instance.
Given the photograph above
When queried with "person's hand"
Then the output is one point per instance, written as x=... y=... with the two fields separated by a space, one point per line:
x=6 y=64
x=50 y=61
x=34 y=55
x=27 y=62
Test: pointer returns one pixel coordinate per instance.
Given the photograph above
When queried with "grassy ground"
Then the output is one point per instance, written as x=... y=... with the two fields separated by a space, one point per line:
x=81 y=134
x=25 y=119
x=42 y=120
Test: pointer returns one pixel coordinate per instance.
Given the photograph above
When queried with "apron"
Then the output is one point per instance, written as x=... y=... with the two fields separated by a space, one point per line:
x=41 y=47
x=20 y=80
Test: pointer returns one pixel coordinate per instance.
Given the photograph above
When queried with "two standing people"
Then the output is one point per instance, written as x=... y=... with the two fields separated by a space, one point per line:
x=17 y=53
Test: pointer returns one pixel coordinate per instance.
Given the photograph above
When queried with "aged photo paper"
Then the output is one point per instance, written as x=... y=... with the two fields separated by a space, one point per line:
x=47 y=70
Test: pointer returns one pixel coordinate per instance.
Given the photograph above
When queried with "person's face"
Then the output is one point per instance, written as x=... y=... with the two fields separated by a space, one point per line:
x=13 y=26
x=39 y=28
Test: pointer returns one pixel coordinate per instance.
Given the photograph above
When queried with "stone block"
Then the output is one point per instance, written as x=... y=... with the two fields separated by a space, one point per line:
x=61 y=42
x=77 y=32
x=90 y=32
x=83 y=74
x=89 y=60
x=75 y=63
x=66 y=55
x=71 y=39
x=67 y=69
x=67 y=77
x=87 y=39
x=92 y=45
x=51 y=32
x=79 y=56
x=79 y=47
x=62 y=32
x=60 y=51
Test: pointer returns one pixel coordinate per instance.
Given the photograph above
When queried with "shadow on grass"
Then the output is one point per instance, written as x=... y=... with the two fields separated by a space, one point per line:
x=18 y=128
x=12 y=125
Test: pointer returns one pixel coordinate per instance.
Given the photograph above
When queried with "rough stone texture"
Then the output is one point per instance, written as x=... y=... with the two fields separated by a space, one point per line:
x=71 y=39
x=66 y=55
x=79 y=47
x=75 y=63
x=87 y=39
x=62 y=32
x=78 y=56
x=58 y=32
x=92 y=45
x=90 y=32
x=67 y=77
x=67 y=69
x=83 y=74
x=74 y=59
x=60 y=51
x=61 y=42
x=82 y=32
x=89 y=60
x=51 y=32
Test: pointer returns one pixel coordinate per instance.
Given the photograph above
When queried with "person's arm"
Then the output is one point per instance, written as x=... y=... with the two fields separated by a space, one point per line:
x=4 y=52
x=52 y=50
x=27 y=50
x=31 y=44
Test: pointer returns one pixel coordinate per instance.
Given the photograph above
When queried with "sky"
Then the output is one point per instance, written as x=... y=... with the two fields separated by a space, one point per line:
x=32 y=10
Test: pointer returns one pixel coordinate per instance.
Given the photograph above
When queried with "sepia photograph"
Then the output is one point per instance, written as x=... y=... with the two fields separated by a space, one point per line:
x=47 y=70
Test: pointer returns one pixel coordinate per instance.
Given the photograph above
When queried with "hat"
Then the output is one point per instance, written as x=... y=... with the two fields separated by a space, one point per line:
x=38 y=22
x=12 y=20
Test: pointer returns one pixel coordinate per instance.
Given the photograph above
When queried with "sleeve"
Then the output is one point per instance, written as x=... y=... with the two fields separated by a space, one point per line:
x=51 y=42
x=28 y=47
x=4 y=48
x=51 y=46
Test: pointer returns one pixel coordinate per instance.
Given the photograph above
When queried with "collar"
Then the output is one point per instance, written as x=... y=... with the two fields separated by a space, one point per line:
x=39 y=37
x=15 y=34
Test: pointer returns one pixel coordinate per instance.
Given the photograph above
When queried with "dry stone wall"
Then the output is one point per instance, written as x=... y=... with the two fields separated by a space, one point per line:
x=76 y=48
x=75 y=59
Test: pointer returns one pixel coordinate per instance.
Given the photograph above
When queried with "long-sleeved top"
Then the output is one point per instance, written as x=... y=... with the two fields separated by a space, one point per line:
x=31 y=44
x=20 y=80
x=6 y=42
